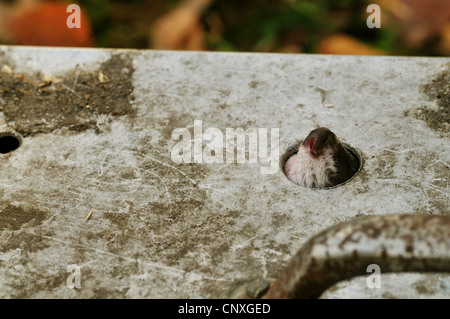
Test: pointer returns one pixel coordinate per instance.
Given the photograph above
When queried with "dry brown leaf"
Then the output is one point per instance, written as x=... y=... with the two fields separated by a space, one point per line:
x=44 y=84
x=180 y=29
x=417 y=20
x=6 y=69
x=445 y=36
x=290 y=48
x=34 y=22
x=344 y=44
x=102 y=77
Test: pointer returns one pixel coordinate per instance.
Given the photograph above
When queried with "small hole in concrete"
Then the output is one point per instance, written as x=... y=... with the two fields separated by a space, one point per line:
x=292 y=150
x=9 y=142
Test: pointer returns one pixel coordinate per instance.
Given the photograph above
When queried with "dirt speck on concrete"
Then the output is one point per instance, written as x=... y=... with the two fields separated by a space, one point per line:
x=23 y=240
x=439 y=90
x=13 y=217
x=34 y=104
x=386 y=162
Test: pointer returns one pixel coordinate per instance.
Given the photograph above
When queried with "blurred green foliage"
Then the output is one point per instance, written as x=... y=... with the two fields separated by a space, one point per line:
x=260 y=25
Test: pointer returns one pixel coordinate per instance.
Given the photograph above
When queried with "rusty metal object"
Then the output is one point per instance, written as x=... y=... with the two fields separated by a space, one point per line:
x=396 y=243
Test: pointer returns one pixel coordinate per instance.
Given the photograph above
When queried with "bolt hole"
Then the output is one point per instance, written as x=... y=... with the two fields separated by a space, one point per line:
x=9 y=142
x=292 y=150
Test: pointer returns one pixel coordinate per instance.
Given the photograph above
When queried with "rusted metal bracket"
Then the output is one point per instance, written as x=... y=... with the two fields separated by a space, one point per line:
x=396 y=243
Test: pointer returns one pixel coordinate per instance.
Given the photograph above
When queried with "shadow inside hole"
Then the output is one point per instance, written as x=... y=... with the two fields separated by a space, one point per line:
x=9 y=142
x=292 y=150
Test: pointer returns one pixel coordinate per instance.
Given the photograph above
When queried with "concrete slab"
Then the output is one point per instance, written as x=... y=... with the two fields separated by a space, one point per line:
x=159 y=229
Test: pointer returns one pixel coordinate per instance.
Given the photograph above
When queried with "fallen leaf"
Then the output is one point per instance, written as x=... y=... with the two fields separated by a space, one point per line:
x=6 y=69
x=445 y=36
x=45 y=23
x=417 y=20
x=102 y=78
x=49 y=78
x=180 y=29
x=44 y=84
x=344 y=44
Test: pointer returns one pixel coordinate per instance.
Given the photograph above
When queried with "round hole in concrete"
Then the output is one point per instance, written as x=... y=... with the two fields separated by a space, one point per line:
x=292 y=150
x=9 y=142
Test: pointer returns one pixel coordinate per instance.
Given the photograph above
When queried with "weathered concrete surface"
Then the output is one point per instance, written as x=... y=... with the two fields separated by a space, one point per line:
x=163 y=230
